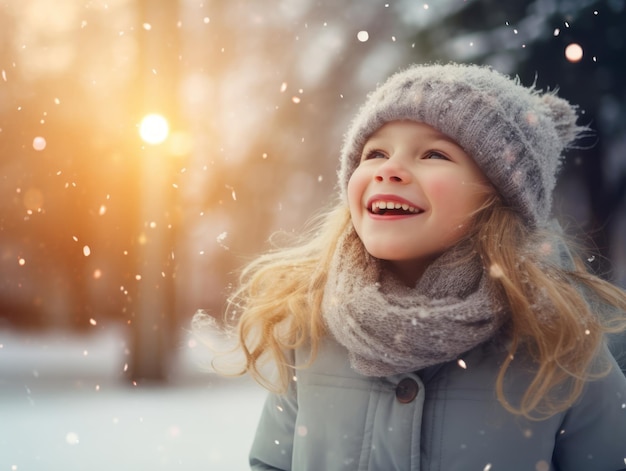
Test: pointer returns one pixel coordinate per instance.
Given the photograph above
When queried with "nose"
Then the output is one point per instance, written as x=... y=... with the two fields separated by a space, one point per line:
x=392 y=171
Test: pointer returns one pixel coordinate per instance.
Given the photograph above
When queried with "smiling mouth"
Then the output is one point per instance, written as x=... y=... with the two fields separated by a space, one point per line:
x=393 y=208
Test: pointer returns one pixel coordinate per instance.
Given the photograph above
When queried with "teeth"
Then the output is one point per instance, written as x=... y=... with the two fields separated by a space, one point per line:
x=378 y=206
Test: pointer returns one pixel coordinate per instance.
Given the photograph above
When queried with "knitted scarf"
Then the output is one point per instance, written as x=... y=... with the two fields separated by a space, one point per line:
x=389 y=328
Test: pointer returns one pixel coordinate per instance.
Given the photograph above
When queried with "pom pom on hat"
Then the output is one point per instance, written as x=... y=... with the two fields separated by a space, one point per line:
x=515 y=134
x=564 y=117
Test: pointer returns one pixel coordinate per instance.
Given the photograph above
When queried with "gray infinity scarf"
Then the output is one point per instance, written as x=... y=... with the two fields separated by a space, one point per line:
x=389 y=328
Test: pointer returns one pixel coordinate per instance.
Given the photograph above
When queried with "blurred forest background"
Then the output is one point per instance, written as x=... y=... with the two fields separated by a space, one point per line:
x=98 y=226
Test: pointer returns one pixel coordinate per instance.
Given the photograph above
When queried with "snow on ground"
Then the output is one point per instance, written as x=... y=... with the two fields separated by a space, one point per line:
x=65 y=407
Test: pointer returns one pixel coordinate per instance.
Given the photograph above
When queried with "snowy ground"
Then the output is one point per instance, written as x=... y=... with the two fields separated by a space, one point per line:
x=64 y=406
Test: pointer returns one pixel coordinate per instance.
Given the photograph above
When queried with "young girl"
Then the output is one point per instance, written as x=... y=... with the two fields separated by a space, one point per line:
x=435 y=318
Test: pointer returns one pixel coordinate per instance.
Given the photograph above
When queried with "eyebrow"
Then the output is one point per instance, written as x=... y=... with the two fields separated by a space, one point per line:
x=436 y=135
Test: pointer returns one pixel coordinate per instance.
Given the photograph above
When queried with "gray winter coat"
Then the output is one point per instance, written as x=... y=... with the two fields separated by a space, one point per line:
x=443 y=418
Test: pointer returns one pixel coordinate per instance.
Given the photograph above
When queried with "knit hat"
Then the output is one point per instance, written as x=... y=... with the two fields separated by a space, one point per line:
x=515 y=134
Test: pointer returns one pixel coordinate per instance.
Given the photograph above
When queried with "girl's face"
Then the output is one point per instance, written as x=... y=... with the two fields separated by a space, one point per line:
x=413 y=195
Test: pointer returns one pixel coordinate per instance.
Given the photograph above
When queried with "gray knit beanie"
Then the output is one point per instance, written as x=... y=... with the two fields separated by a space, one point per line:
x=515 y=134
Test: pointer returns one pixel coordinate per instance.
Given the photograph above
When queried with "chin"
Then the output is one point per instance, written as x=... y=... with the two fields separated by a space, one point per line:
x=385 y=254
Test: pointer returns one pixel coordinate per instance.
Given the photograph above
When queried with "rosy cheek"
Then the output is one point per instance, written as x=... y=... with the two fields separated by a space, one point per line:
x=443 y=190
x=455 y=198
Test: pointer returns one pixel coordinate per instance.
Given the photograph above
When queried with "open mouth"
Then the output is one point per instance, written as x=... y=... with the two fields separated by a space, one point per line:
x=393 y=208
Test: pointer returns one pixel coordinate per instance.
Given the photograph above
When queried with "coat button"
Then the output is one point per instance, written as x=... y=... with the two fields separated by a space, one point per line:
x=406 y=390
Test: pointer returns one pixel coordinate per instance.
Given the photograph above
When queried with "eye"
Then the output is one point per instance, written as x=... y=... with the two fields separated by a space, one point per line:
x=433 y=154
x=374 y=154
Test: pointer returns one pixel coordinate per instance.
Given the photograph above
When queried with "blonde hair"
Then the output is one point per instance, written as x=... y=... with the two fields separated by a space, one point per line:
x=280 y=295
x=551 y=306
x=559 y=314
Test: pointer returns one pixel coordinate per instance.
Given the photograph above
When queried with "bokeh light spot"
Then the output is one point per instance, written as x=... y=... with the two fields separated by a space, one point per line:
x=574 y=52
x=39 y=143
x=153 y=129
x=72 y=438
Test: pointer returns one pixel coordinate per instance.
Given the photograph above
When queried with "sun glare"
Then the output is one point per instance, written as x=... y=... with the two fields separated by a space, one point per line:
x=153 y=129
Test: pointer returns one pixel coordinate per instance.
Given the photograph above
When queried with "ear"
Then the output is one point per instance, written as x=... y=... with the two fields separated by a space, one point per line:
x=564 y=117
